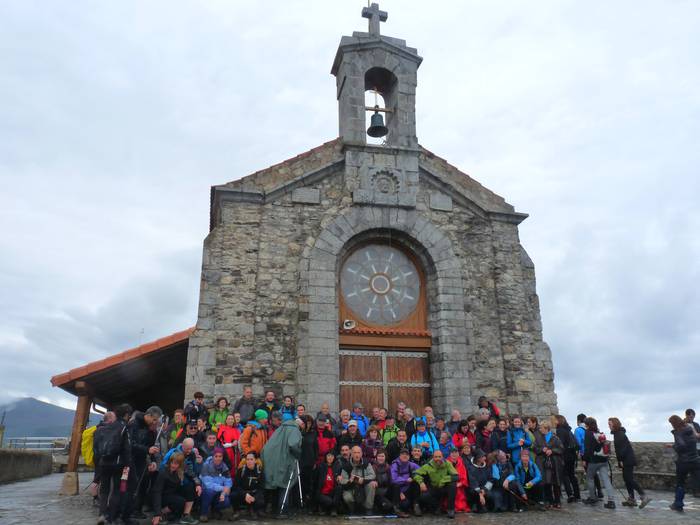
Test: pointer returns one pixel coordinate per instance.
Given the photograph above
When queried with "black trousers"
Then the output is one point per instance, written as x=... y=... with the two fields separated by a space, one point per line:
x=475 y=501
x=630 y=483
x=383 y=499
x=175 y=501
x=432 y=498
x=110 y=496
x=329 y=502
x=411 y=494
x=259 y=503
x=569 y=478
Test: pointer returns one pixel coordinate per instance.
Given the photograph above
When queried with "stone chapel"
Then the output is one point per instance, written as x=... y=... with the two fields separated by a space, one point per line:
x=369 y=272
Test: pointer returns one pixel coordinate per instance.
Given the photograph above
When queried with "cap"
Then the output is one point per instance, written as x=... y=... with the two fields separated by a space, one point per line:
x=322 y=418
x=218 y=450
x=352 y=423
x=404 y=451
x=357 y=404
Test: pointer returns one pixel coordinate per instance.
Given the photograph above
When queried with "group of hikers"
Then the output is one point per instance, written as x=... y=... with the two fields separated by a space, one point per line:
x=265 y=457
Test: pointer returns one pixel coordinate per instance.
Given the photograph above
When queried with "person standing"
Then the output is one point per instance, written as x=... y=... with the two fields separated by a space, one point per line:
x=280 y=459
x=112 y=456
x=196 y=409
x=308 y=459
x=626 y=460
x=229 y=435
x=685 y=443
x=570 y=458
x=270 y=403
x=254 y=435
x=595 y=457
x=217 y=415
x=549 y=451
x=245 y=405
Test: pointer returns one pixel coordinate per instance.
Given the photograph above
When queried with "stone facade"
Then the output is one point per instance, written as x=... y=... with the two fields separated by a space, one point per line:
x=268 y=313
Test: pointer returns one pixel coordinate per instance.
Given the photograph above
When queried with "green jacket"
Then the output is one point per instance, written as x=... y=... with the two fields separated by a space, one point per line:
x=438 y=475
x=389 y=433
x=280 y=455
x=217 y=417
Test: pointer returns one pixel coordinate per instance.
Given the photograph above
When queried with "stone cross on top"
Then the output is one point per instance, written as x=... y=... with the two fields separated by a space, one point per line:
x=375 y=16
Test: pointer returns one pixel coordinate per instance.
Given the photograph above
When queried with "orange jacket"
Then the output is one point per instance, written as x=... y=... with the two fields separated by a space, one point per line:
x=253 y=439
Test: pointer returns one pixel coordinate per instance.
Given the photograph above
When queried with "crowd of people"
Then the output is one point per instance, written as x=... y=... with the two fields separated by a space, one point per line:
x=265 y=457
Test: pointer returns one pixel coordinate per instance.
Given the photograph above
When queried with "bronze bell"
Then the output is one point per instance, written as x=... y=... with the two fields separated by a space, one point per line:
x=376 y=125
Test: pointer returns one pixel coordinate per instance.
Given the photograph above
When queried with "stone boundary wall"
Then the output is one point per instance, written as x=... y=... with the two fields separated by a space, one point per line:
x=21 y=464
x=655 y=470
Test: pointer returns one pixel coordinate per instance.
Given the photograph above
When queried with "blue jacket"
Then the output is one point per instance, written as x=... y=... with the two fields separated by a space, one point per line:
x=192 y=468
x=215 y=478
x=362 y=423
x=288 y=413
x=521 y=474
x=514 y=437
x=501 y=472
x=429 y=437
x=580 y=435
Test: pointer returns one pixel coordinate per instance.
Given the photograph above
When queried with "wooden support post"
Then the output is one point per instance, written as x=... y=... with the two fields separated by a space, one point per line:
x=70 y=486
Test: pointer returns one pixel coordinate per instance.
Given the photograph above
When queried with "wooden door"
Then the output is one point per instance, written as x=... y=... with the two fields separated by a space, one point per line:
x=379 y=378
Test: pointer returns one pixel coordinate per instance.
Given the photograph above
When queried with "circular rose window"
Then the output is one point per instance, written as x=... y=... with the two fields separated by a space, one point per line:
x=380 y=284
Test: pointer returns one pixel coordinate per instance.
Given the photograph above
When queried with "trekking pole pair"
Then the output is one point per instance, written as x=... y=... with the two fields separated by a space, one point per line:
x=289 y=484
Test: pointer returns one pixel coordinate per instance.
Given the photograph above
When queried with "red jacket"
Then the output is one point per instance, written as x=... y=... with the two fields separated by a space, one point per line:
x=326 y=443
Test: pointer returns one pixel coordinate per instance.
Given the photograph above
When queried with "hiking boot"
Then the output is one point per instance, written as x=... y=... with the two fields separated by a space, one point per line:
x=369 y=512
x=334 y=513
x=203 y=518
x=188 y=520
x=609 y=505
x=101 y=520
x=675 y=507
x=451 y=514
x=644 y=501
x=590 y=501
x=401 y=514
x=416 y=510
x=629 y=502
x=139 y=515
x=570 y=499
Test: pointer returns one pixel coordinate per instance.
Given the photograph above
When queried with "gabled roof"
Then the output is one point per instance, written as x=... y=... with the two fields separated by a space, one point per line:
x=310 y=166
x=81 y=372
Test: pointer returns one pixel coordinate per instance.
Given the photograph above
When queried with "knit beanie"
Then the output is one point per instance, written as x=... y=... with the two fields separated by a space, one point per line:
x=260 y=415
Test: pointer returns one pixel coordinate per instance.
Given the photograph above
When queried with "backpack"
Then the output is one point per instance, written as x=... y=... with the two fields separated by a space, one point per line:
x=86 y=446
x=108 y=442
x=602 y=448
x=571 y=444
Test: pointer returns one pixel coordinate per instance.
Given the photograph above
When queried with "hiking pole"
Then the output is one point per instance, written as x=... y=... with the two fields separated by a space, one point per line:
x=286 y=491
x=301 y=497
x=164 y=422
x=624 y=498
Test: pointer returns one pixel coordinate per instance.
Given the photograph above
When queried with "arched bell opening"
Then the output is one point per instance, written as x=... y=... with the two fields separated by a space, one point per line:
x=380 y=104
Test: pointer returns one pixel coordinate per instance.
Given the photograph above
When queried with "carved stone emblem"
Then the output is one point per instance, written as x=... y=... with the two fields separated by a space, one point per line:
x=385 y=182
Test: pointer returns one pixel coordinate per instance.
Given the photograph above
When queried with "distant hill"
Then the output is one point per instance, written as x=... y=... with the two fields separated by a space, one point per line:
x=31 y=417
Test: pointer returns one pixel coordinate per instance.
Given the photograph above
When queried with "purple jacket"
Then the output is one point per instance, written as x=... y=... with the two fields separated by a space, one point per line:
x=402 y=473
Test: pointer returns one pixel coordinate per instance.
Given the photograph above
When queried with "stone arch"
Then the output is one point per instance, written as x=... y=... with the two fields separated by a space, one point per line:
x=317 y=351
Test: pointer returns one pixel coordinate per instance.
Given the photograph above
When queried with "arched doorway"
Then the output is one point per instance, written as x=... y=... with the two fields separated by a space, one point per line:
x=384 y=342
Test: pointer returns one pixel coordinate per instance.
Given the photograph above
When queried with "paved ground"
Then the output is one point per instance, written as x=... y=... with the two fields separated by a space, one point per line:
x=36 y=501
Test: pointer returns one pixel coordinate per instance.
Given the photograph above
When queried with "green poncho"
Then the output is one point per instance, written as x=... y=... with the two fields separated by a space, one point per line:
x=280 y=455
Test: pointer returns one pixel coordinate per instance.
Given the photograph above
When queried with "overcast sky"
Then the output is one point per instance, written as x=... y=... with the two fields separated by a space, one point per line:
x=116 y=118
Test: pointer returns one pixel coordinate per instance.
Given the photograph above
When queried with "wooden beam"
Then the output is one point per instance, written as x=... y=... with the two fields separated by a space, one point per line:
x=82 y=412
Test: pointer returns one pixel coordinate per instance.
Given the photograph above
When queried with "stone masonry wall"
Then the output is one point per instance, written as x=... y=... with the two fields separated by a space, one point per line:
x=255 y=309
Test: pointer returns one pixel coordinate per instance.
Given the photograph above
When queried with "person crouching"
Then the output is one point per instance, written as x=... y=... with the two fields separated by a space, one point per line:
x=358 y=482
x=250 y=480
x=216 y=483
x=437 y=479
x=328 y=483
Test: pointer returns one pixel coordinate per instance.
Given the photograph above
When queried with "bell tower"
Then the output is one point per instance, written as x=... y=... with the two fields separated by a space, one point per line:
x=371 y=61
